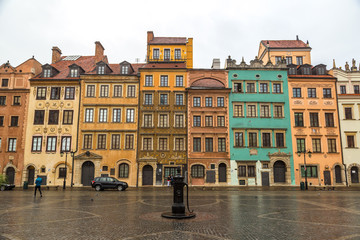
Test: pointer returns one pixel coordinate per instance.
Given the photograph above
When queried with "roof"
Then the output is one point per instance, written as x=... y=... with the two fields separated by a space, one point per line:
x=207 y=83
x=285 y=43
x=168 y=40
x=165 y=65
x=115 y=67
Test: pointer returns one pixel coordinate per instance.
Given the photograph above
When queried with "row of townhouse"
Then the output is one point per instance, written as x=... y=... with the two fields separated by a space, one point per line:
x=276 y=120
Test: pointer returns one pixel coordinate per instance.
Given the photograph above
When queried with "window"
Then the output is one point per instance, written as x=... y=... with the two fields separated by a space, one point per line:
x=197 y=144
x=69 y=93
x=297 y=92
x=103 y=112
x=306 y=71
x=208 y=101
x=87 y=141
x=251 y=171
x=299 y=60
x=208 y=144
x=164 y=99
x=4 y=82
x=179 y=120
x=2 y=100
x=101 y=141
x=220 y=102
x=292 y=70
x=320 y=71
x=62 y=172
x=117 y=91
x=68 y=117
x=16 y=101
x=163 y=80
x=1 y=121
x=104 y=90
x=264 y=111
x=12 y=145
x=125 y=69
x=316 y=145
x=242 y=171
x=350 y=141
x=55 y=93
x=36 y=144
x=179 y=144
x=47 y=73
x=197 y=121
x=147 y=144
x=166 y=54
x=148 y=99
x=300 y=143
x=90 y=91
x=163 y=120
x=208 y=121
x=129 y=141
x=264 y=88
x=311 y=171
x=314 y=120
x=253 y=139
x=123 y=170
x=196 y=102
x=299 y=120
x=179 y=99
x=53 y=117
x=14 y=121
x=280 y=140
x=221 y=121
x=131 y=91
x=156 y=53
x=39 y=117
x=288 y=60
x=65 y=144
x=238 y=111
x=237 y=87
x=277 y=88
x=278 y=111
x=266 y=141
x=177 y=54
x=130 y=115
x=356 y=89
x=250 y=87
x=179 y=81
x=147 y=120
x=41 y=93
x=327 y=92
x=251 y=111
x=115 y=141
x=163 y=144
x=101 y=69
x=51 y=144
x=342 y=89
x=148 y=80
x=277 y=59
x=239 y=139
x=348 y=113
x=197 y=171
x=332 y=145
x=105 y=168
x=329 y=119
x=221 y=145
x=89 y=115
x=116 y=115
x=311 y=92
x=74 y=72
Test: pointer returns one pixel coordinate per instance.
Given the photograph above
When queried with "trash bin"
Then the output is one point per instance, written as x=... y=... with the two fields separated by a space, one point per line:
x=26 y=185
x=302 y=186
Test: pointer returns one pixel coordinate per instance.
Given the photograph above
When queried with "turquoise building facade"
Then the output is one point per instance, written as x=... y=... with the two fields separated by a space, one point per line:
x=259 y=121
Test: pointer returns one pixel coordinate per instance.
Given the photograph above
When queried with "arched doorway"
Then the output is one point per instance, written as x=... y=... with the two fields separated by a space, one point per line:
x=10 y=175
x=338 y=174
x=279 y=172
x=354 y=175
x=87 y=173
x=30 y=175
x=222 y=172
x=147 y=175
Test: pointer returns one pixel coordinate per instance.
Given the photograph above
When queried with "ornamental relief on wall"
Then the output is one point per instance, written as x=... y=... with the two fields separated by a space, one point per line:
x=40 y=105
x=300 y=132
x=298 y=102
x=328 y=103
x=313 y=102
x=330 y=132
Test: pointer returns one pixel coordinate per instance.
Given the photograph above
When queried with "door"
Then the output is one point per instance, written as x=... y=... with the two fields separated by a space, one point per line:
x=87 y=173
x=338 y=174
x=147 y=175
x=169 y=171
x=327 y=178
x=222 y=172
x=10 y=175
x=279 y=172
x=31 y=175
x=354 y=175
x=265 y=179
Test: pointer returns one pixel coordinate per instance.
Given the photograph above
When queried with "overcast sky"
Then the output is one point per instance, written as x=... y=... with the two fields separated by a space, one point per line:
x=219 y=28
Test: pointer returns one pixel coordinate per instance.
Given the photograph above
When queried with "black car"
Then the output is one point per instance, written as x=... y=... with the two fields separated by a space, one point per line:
x=100 y=183
x=6 y=186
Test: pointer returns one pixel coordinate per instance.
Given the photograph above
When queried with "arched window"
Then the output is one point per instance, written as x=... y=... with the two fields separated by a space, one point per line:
x=124 y=170
x=197 y=171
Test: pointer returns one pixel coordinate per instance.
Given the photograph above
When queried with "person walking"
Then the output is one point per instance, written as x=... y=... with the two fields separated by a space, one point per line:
x=168 y=181
x=38 y=182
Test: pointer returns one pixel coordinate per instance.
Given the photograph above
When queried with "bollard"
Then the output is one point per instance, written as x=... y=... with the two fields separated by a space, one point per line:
x=178 y=207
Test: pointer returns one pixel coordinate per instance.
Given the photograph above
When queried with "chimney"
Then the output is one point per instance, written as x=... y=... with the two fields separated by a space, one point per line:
x=297 y=37
x=150 y=36
x=216 y=63
x=99 y=52
x=56 y=54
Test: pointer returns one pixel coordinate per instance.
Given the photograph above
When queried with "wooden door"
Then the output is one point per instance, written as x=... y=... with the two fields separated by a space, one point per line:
x=87 y=173
x=31 y=175
x=327 y=178
x=265 y=181
x=354 y=175
x=148 y=176
x=10 y=175
x=222 y=172
x=338 y=174
x=279 y=172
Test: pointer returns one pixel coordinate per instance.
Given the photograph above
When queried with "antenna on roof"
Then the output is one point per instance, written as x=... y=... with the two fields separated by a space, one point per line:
x=297 y=37
x=137 y=60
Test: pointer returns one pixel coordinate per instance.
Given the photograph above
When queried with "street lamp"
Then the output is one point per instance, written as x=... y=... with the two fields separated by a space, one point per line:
x=305 y=169
x=62 y=154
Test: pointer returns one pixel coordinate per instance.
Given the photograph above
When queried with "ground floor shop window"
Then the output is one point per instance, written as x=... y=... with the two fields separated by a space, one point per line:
x=310 y=170
x=197 y=171
x=123 y=170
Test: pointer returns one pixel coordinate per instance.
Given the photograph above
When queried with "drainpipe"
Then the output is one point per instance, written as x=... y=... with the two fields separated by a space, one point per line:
x=77 y=137
x=138 y=134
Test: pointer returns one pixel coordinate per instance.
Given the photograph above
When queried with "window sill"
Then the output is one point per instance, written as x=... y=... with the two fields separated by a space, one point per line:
x=16 y=105
x=351 y=148
x=349 y=119
x=265 y=117
x=13 y=126
x=333 y=153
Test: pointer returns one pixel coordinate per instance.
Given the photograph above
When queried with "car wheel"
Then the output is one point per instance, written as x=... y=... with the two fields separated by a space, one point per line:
x=2 y=188
x=120 y=188
x=98 y=188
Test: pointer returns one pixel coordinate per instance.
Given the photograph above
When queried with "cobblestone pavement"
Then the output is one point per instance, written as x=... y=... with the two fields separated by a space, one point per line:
x=220 y=215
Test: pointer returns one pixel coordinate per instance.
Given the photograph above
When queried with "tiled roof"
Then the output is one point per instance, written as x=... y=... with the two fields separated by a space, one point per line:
x=137 y=66
x=208 y=83
x=164 y=65
x=115 y=67
x=311 y=76
x=285 y=43
x=168 y=40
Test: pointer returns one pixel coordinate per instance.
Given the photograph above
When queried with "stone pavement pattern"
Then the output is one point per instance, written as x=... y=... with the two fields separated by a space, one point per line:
x=220 y=215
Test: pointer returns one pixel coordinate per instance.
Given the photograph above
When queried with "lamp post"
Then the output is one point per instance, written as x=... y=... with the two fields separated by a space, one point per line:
x=62 y=154
x=305 y=169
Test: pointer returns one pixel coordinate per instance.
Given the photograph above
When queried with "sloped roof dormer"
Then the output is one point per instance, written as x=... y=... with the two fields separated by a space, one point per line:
x=48 y=71
x=319 y=69
x=102 y=68
x=292 y=69
x=305 y=69
x=126 y=68
x=75 y=70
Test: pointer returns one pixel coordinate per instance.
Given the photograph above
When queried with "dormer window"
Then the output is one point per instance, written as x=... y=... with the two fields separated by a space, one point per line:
x=101 y=69
x=292 y=71
x=125 y=69
x=320 y=71
x=74 y=72
x=47 y=73
x=306 y=71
